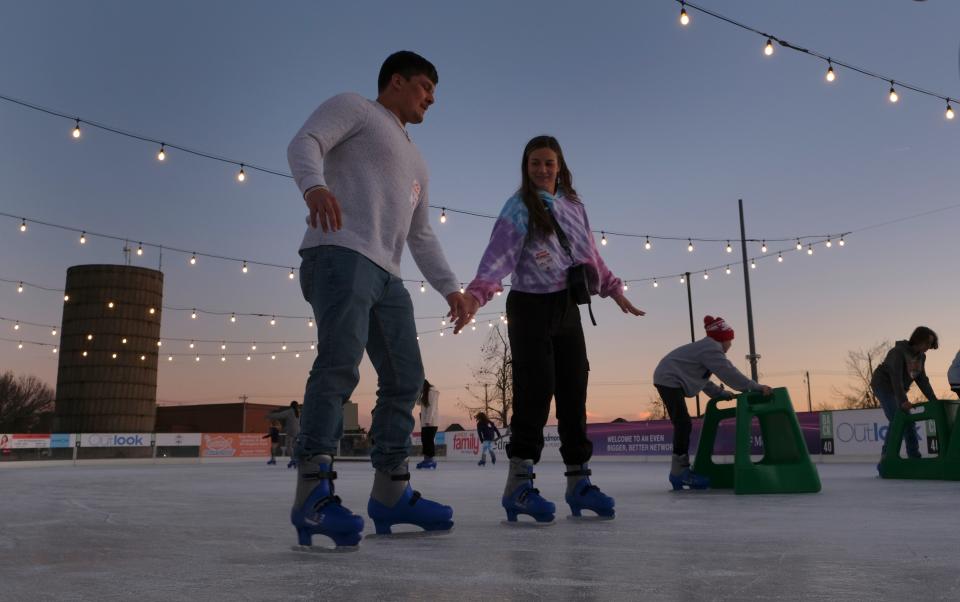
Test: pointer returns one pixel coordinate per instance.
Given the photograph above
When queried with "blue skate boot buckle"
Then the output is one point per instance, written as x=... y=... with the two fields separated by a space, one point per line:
x=690 y=480
x=411 y=509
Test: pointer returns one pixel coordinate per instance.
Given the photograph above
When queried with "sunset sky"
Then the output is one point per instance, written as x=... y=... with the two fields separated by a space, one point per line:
x=663 y=126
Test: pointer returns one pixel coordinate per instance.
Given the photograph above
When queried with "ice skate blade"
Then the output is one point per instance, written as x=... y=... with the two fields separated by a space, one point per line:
x=591 y=518
x=527 y=524
x=409 y=534
x=324 y=550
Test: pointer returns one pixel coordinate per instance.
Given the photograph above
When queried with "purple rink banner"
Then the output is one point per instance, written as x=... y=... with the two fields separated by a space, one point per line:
x=655 y=437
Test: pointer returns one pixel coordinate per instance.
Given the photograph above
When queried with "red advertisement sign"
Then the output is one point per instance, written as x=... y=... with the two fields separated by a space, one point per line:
x=234 y=445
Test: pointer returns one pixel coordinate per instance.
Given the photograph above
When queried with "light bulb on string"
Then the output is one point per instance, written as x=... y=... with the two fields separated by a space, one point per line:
x=684 y=17
x=729 y=248
x=139 y=249
x=603 y=238
x=152 y=311
x=19 y=287
x=441 y=333
x=647 y=244
x=244 y=268
x=223 y=346
x=169 y=358
x=768 y=48
x=949 y=113
x=779 y=258
x=763 y=246
x=193 y=314
x=196 y=359
x=312 y=346
x=291 y=275
x=810 y=249
x=443 y=215
x=683 y=280
x=283 y=347
x=799 y=246
x=76 y=129
x=55 y=350
x=706 y=276
x=123 y=341
x=233 y=318
x=162 y=155
x=110 y=305
x=20 y=345
x=66 y=298
x=223 y=358
x=273 y=320
x=841 y=242
x=273 y=356
x=241 y=176
x=309 y=322
x=83 y=238
x=16 y=326
x=753 y=264
x=626 y=287
x=192 y=345
x=23 y=225
x=830 y=76
x=193 y=259
x=53 y=332
x=423 y=287
x=159 y=343
x=690 y=245
x=893 y=93
x=143 y=357
x=443 y=322
x=727 y=270
x=461 y=288
x=253 y=347
x=296 y=354
x=829 y=243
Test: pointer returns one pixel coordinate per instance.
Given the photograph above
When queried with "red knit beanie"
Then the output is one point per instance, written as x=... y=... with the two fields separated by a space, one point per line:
x=717 y=329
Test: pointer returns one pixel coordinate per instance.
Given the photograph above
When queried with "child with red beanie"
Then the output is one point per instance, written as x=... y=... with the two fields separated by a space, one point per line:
x=686 y=371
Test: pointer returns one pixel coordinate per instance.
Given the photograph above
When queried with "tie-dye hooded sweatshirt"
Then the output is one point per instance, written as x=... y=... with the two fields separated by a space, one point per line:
x=539 y=264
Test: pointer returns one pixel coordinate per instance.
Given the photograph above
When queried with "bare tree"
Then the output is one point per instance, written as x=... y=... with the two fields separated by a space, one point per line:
x=658 y=409
x=860 y=365
x=22 y=400
x=492 y=389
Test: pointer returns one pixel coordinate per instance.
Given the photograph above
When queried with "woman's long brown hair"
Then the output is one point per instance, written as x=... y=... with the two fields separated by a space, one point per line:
x=540 y=223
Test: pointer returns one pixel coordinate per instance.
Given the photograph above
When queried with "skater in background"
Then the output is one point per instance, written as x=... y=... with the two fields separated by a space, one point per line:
x=489 y=434
x=953 y=375
x=290 y=418
x=366 y=185
x=542 y=238
x=274 y=436
x=429 y=398
x=903 y=366
x=686 y=371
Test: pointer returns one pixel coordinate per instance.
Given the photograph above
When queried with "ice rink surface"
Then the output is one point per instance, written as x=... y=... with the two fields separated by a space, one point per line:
x=221 y=532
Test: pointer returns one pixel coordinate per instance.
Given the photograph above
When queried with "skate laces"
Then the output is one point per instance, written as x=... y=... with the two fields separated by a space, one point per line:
x=415 y=497
x=527 y=492
x=326 y=501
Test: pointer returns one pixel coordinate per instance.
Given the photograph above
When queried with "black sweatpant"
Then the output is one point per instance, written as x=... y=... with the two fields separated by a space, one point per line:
x=427 y=434
x=676 y=403
x=549 y=360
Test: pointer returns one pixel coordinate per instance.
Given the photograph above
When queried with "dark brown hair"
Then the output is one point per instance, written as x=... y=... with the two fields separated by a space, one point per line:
x=425 y=393
x=922 y=334
x=407 y=64
x=540 y=223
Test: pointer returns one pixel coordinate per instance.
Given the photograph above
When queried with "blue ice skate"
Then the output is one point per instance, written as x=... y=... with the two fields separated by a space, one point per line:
x=587 y=496
x=410 y=509
x=292 y=463
x=526 y=499
x=271 y=461
x=427 y=464
x=322 y=513
x=689 y=479
x=482 y=462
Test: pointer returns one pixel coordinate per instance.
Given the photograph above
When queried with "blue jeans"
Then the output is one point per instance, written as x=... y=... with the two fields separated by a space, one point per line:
x=888 y=402
x=359 y=306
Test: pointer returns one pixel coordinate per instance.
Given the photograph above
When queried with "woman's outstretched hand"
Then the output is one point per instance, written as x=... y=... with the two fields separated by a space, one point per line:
x=626 y=306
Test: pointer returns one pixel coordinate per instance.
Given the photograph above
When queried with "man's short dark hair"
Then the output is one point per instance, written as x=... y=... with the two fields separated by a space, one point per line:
x=407 y=64
x=922 y=334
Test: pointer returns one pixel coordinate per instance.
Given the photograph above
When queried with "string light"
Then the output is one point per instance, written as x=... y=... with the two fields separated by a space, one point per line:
x=193 y=259
x=829 y=243
x=244 y=268
x=139 y=249
x=655 y=283
x=729 y=248
x=110 y=305
x=291 y=275
x=763 y=247
x=753 y=264
x=84 y=354
x=273 y=321
x=309 y=322
x=55 y=349
x=841 y=242
x=192 y=345
x=283 y=347
x=706 y=276
x=799 y=246
x=253 y=347
x=20 y=288
x=223 y=358
x=768 y=49
x=810 y=249
x=647 y=244
x=423 y=288
x=223 y=346
x=949 y=113
x=727 y=270
x=461 y=288
x=159 y=343
x=152 y=311
x=17 y=325
x=683 y=280
x=66 y=298
x=603 y=238
x=123 y=341
x=53 y=332
x=169 y=358
x=893 y=93
x=233 y=318
x=23 y=225
x=162 y=155
x=76 y=129
x=241 y=176
x=690 y=245
x=830 y=74
x=443 y=215
x=83 y=238
x=196 y=359
x=20 y=345
x=684 y=17
x=193 y=314
x=779 y=258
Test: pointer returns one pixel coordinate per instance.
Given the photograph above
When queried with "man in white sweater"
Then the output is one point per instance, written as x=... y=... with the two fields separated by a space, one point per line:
x=365 y=186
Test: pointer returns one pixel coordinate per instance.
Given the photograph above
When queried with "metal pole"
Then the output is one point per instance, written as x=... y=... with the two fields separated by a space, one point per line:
x=809 y=398
x=753 y=357
x=693 y=336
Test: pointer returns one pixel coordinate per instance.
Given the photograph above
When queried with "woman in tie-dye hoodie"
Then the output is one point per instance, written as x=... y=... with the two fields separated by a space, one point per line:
x=543 y=323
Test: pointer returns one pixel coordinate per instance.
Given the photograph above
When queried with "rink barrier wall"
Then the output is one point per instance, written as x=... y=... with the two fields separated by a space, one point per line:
x=830 y=436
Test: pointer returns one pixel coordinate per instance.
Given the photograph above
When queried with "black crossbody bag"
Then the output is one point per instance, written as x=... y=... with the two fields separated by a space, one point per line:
x=577 y=273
